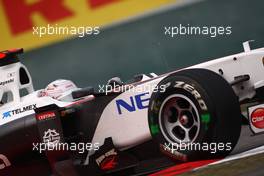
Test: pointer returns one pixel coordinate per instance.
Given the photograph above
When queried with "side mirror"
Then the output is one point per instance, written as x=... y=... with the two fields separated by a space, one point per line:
x=113 y=82
x=83 y=92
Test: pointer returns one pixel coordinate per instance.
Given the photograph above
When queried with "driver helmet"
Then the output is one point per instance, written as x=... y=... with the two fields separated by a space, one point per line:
x=60 y=89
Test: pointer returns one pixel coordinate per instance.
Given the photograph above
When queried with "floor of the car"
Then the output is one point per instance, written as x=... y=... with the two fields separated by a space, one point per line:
x=150 y=160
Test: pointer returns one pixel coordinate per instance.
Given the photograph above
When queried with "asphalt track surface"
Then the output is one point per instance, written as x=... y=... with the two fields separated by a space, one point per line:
x=248 y=166
x=246 y=144
x=247 y=140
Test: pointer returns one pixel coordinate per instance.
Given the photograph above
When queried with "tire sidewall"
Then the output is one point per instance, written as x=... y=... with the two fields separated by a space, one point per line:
x=189 y=88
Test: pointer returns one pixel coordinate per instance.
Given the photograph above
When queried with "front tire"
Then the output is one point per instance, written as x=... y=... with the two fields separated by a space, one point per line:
x=198 y=110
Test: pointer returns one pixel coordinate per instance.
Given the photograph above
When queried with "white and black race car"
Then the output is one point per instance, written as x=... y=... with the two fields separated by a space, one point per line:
x=195 y=105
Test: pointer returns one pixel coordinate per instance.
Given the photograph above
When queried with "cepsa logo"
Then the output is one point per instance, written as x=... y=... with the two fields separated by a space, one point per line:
x=257 y=118
x=46 y=116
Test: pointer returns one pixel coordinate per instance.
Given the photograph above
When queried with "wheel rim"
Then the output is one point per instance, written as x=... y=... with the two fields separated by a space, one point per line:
x=179 y=119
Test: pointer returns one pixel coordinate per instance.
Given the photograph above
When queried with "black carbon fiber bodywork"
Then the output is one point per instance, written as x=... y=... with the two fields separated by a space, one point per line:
x=78 y=123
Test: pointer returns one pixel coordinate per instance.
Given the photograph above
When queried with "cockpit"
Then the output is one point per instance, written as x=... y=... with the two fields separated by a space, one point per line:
x=15 y=80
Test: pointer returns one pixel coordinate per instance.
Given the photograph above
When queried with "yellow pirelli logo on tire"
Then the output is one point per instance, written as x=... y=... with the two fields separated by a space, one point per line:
x=18 y=17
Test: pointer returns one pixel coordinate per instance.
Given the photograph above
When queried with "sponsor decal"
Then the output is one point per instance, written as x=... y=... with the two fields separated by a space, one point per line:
x=2 y=83
x=4 y=162
x=46 y=116
x=140 y=101
x=193 y=91
x=17 y=17
x=19 y=111
x=257 y=118
x=171 y=152
x=51 y=136
x=107 y=161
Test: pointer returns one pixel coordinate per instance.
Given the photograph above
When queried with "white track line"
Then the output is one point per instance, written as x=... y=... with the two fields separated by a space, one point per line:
x=245 y=154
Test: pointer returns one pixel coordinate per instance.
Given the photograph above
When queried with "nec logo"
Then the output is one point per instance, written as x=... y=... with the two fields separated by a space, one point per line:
x=139 y=101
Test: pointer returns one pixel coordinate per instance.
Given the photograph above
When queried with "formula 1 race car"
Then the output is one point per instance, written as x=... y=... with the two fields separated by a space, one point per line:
x=196 y=105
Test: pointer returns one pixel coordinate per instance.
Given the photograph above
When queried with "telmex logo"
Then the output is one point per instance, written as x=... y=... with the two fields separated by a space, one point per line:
x=257 y=118
x=19 y=110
